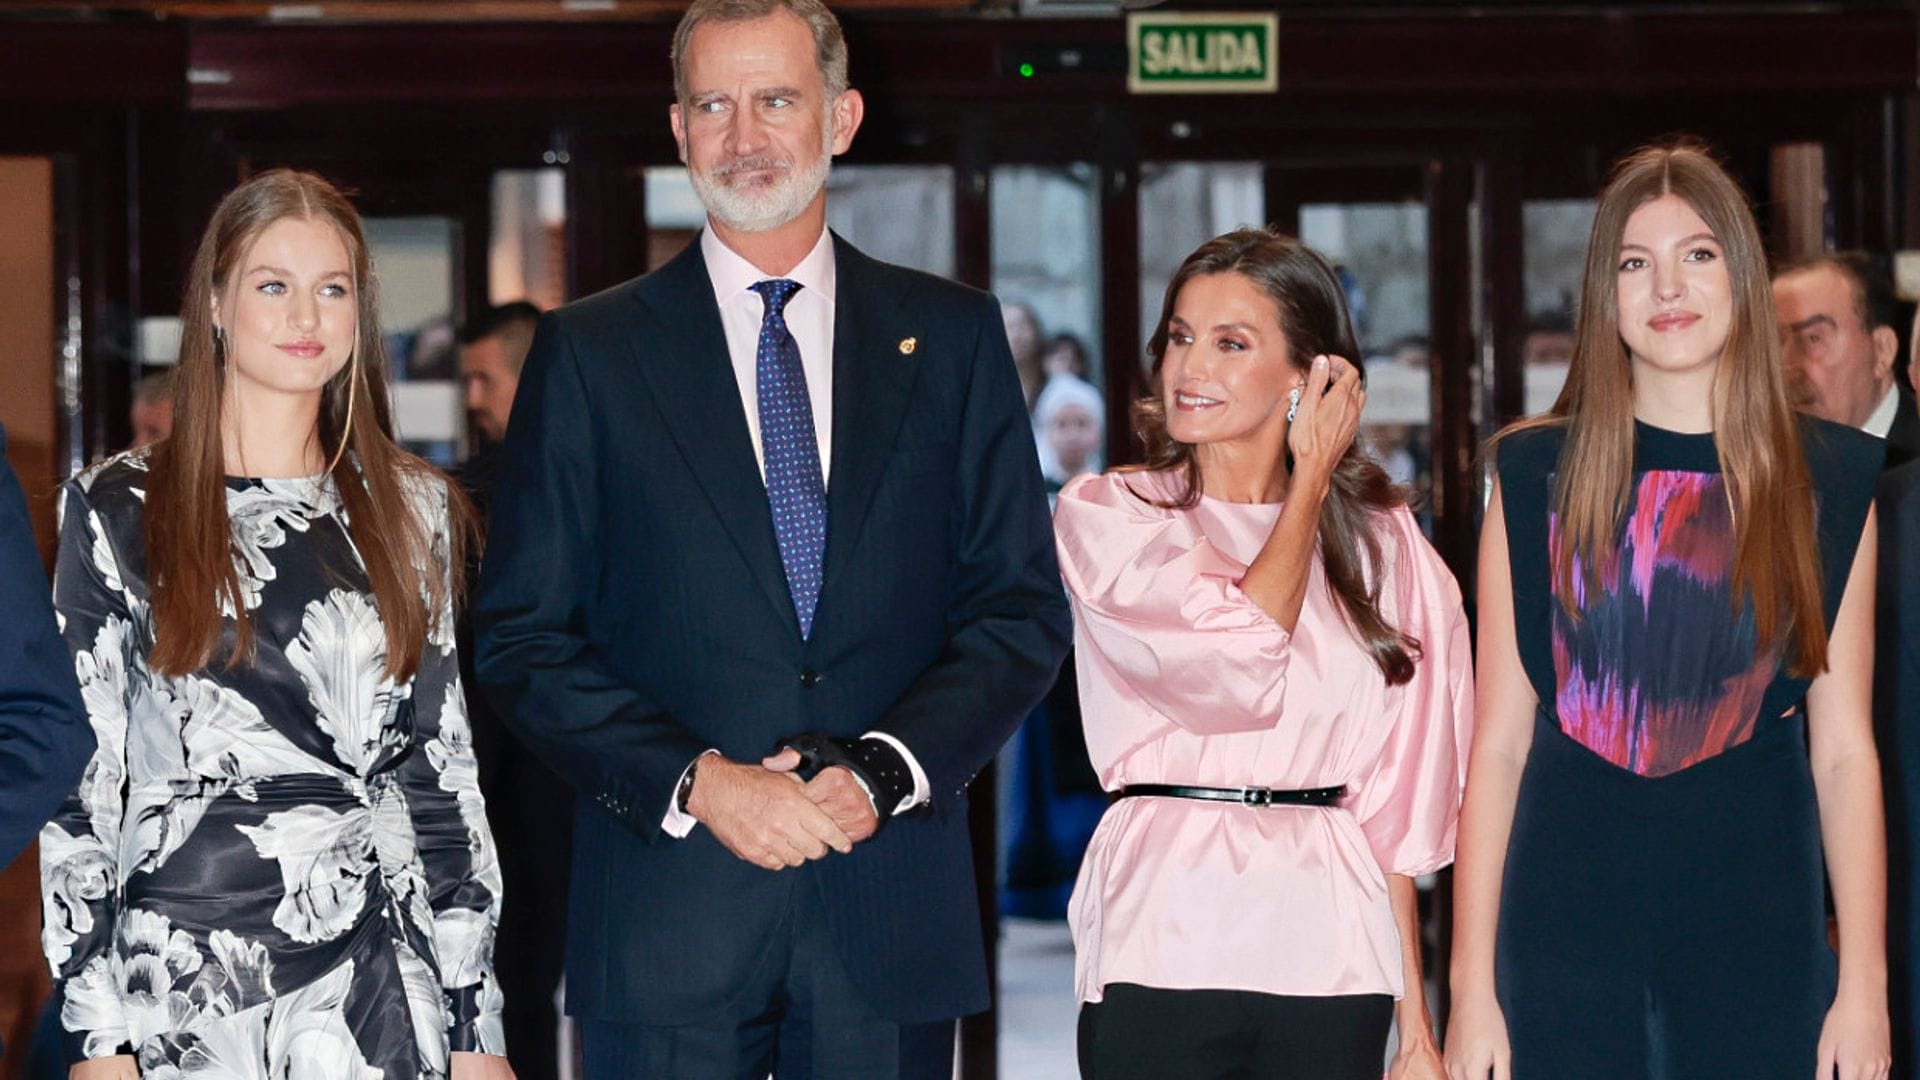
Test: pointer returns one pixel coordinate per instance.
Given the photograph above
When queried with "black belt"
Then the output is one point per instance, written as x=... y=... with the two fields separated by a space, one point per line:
x=1247 y=796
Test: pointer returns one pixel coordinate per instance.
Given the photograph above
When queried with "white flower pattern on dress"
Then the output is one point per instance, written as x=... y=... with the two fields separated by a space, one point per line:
x=325 y=860
x=341 y=655
x=255 y=844
x=262 y=515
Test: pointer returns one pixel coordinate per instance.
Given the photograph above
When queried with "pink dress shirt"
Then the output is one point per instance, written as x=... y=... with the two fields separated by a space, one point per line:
x=1185 y=680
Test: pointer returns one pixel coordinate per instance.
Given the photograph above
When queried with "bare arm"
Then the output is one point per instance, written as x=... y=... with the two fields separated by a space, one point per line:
x=1419 y=1052
x=1503 y=736
x=1846 y=780
x=1277 y=578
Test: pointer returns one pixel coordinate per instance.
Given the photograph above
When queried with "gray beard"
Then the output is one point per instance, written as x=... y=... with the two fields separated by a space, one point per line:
x=762 y=209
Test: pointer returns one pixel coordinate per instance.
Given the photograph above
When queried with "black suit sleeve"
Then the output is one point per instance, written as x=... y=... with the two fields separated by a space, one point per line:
x=1009 y=610
x=45 y=739
x=532 y=650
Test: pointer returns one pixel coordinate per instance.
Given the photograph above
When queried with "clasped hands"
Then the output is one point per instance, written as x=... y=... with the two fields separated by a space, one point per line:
x=767 y=815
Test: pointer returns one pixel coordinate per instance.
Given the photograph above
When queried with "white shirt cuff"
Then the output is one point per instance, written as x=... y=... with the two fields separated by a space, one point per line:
x=678 y=823
x=920 y=792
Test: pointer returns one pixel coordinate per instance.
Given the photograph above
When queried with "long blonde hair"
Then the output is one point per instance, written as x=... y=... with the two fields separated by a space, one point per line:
x=1776 y=561
x=188 y=533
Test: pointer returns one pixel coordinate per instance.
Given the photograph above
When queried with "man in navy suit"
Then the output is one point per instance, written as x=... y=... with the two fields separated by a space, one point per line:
x=45 y=740
x=773 y=497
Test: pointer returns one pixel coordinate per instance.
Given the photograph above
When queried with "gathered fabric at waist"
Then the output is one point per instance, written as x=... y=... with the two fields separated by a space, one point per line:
x=311 y=854
x=1185 y=894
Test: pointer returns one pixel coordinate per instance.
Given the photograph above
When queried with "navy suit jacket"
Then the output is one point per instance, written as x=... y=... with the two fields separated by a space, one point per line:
x=45 y=739
x=1903 y=438
x=633 y=613
x=1896 y=703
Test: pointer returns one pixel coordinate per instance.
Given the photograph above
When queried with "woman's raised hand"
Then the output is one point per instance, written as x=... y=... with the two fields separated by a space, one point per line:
x=1328 y=416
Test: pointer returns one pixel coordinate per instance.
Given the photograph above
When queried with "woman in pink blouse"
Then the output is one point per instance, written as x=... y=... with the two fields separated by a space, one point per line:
x=1275 y=676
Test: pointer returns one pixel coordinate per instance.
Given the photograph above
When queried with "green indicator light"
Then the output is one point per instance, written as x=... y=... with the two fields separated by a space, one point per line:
x=1026 y=71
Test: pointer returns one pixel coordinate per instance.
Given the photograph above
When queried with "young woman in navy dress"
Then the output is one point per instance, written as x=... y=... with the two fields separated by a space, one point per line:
x=1676 y=589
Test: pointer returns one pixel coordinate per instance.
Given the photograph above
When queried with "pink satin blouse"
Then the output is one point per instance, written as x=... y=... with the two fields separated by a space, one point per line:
x=1184 y=680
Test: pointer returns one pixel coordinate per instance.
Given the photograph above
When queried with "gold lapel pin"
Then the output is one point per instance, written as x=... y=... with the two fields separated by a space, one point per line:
x=907 y=345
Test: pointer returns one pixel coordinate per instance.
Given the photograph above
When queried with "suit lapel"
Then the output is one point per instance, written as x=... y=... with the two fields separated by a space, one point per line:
x=872 y=384
x=683 y=357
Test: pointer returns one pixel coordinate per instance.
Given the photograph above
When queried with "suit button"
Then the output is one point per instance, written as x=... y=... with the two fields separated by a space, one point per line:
x=809 y=679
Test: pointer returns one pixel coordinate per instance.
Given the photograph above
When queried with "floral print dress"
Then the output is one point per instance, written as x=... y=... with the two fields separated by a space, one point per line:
x=275 y=869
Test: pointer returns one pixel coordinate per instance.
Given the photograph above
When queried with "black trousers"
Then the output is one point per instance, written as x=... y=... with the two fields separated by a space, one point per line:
x=1143 y=1033
x=805 y=1020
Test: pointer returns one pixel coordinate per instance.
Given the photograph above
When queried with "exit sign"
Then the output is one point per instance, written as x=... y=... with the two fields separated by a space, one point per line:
x=1230 y=52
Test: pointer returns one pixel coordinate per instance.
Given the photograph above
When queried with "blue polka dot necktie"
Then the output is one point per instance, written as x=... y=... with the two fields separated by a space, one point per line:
x=795 y=489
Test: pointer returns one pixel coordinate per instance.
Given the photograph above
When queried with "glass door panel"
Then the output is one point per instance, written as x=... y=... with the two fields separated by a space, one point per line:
x=1183 y=205
x=1045 y=264
x=1555 y=232
x=418 y=259
x=1379 y=250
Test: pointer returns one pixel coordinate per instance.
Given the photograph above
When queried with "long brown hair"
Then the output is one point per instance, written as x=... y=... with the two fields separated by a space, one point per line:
x=190 y=549
x=1313 y=316
x=1776 y=561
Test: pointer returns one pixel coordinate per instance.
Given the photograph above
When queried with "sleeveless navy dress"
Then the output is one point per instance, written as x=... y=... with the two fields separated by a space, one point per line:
x=1661 y=914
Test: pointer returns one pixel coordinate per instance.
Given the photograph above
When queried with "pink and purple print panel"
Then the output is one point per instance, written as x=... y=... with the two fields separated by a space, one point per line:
x=1660 y=670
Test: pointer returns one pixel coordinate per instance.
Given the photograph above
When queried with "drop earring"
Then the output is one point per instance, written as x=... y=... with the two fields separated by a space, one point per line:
x=219 y=349
x=1293 y=404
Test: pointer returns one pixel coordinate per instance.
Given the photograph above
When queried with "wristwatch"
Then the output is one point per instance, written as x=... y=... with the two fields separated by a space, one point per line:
x=685 y=790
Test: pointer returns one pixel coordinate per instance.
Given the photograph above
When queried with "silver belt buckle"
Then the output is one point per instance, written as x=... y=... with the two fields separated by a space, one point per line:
x=1256 y=796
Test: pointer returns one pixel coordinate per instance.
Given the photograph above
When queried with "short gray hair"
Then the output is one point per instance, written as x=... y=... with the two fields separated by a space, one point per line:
x=829 y=45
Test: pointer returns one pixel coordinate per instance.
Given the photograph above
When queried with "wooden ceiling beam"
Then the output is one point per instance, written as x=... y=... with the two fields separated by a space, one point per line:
x=425 y=11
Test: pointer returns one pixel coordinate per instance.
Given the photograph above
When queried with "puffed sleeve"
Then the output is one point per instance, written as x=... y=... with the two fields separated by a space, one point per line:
x=80 y=876
x=1163 y=607
x=442 y=783
x=1410 y=806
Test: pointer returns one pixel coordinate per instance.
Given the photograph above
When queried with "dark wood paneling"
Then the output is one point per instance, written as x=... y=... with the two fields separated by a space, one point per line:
x=1120 y=315
x=261 y=67
x=1456 y=494
x=1493 y=57
x=113 y=65
x=606 y=215
x=1502 y=288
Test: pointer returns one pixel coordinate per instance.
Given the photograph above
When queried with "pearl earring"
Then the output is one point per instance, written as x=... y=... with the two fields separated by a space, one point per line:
x=1293 y=404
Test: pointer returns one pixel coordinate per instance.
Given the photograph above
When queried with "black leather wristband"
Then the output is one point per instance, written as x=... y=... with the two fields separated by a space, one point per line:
x=685 y=791
x=879 y=767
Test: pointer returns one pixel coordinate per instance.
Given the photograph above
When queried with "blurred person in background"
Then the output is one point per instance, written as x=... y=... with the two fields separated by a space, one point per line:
x=1027 y=342
x=530 y=807
x=278 y=861
x=1054 y=800
x=493 y=348
x=1065 y=354
x=151 y=413
x=1275 y=677
x=1549 y=340
x=1069 y=426
x=1404 y=450
x=1839 y=319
